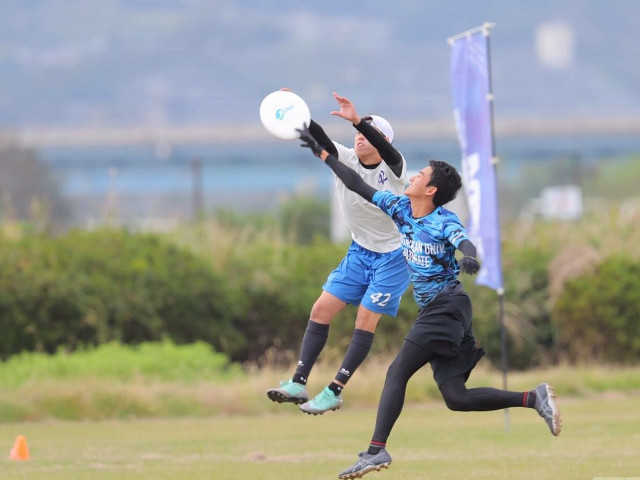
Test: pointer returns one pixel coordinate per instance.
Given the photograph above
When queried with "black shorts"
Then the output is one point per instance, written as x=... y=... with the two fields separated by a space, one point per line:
x=444 y=328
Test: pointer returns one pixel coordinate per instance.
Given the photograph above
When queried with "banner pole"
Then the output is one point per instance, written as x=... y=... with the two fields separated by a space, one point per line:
x=495 y=160
x=471 y=81
x=490 y=97
x=503 y=352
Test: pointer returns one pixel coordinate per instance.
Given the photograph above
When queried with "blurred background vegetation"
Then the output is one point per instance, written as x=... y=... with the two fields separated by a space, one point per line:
x=118 y=321
x=245 y=282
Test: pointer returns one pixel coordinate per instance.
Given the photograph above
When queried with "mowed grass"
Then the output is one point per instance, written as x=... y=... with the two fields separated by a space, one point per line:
x=115 y=415
x=601 y=438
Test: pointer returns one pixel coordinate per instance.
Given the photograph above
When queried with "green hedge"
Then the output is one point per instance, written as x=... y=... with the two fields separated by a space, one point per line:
x=526 y=317
x=248 y=292
x=598 y=315
x=88 y=288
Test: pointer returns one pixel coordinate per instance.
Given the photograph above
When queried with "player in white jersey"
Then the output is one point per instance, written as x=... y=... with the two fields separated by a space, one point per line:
x=373 y=275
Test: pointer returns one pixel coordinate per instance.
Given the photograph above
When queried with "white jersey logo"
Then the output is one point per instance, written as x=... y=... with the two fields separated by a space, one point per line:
x=382 y=177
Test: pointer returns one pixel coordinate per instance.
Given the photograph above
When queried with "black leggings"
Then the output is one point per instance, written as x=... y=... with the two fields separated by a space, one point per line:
x=456 y=395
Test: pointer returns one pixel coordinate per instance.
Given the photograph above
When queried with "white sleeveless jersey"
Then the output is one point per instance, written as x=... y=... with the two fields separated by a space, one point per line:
x=370 y=227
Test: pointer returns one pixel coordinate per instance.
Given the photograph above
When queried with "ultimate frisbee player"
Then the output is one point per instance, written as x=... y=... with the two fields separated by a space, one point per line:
x=373 y=275
x=442 y=333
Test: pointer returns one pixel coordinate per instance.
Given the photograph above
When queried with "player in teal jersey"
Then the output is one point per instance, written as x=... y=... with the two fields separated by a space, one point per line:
x=442 y=333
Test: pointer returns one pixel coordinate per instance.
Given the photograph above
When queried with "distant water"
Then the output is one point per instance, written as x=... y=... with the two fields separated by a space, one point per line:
x=227 y=172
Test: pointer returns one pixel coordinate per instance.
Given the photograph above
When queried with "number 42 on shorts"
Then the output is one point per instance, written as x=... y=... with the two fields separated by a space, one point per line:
x=380 y=298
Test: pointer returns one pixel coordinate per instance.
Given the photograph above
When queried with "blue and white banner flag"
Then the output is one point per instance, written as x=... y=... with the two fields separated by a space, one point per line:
x=470 y=86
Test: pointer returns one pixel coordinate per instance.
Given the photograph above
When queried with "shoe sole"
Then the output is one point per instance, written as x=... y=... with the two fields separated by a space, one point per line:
x=557 y=417
x=279 y=397
x=364 y=471
x=320 y=412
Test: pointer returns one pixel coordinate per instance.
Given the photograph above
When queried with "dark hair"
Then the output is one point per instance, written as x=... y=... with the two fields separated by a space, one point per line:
x=447 y=179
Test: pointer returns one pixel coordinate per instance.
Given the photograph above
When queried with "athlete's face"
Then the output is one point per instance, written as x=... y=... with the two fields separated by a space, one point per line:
x=419 y=184
x=362 y=147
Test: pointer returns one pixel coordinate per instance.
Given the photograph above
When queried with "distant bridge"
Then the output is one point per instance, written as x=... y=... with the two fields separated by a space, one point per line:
x=76 y=137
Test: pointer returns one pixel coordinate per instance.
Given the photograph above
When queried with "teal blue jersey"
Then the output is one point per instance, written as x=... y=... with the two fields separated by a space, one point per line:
x=428 y=243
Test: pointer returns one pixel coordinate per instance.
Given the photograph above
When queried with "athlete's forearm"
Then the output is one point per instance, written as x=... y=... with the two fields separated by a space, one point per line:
x=468 y=249
x=322 y=138
x=349 y=177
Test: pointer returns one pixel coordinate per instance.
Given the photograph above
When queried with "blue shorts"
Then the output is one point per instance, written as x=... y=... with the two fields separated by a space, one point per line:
x=375 y=280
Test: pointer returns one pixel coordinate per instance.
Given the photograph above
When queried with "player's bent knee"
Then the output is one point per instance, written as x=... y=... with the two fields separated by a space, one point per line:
x=454 y=404
x=455 y=396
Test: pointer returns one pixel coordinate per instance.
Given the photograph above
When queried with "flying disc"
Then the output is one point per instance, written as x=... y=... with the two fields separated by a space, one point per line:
x=281 y=112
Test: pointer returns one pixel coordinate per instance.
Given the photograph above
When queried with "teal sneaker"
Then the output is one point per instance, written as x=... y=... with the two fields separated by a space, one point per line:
x=546 y=407
x=324 y=401
x=289 y=391
x=367 y=463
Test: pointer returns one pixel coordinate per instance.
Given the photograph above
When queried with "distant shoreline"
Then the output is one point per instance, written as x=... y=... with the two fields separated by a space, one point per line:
x=254 y=133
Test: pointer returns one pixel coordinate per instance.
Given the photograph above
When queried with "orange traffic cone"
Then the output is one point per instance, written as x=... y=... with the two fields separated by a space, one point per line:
x=20 y=451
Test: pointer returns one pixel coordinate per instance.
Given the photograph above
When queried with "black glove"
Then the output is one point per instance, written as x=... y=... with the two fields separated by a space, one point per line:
x=469 y=265
x=310 y=141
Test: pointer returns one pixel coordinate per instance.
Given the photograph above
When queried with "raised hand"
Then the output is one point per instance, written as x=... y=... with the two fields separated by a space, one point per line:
x=347 y=109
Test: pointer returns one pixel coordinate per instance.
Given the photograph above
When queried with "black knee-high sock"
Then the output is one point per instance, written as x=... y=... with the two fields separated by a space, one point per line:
x=358 y=349
x=313 y=341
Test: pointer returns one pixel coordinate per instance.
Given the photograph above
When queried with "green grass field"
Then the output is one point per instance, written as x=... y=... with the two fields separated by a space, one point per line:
x=168 y=412
x=601 y=438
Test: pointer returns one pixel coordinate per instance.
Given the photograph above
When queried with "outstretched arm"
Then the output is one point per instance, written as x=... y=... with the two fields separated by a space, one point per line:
x=346 y=174
x=349 y=177
x=322 y=138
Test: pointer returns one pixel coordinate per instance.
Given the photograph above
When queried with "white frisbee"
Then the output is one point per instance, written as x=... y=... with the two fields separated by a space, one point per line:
x=281 y=112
